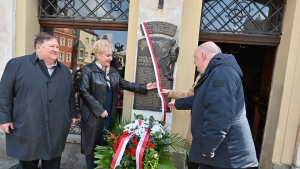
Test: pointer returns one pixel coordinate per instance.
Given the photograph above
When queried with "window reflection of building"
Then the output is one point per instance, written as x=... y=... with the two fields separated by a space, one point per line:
x=69 y=43
x=259 y=25
x=66 y=38
x=61 y=56
x=104 y=10
x=86 y=38
x=81 y=54
x=92 y=57
x=68 y=59
x=62 y=41
x=240 y=16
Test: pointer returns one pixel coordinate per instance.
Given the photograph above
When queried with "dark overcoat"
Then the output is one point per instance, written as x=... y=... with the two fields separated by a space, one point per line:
x=93 y=92
x=219 y=124
x=40 y=107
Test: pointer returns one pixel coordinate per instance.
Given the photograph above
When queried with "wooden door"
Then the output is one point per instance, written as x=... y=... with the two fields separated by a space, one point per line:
x=262 y=98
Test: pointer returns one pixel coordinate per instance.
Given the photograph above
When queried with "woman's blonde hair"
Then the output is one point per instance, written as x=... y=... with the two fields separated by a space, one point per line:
x=101 y=46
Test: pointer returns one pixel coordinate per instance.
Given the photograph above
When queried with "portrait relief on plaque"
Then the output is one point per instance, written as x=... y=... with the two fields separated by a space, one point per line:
x=166 y=51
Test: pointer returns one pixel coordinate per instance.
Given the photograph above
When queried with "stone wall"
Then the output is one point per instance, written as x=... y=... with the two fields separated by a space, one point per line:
x=7 y=33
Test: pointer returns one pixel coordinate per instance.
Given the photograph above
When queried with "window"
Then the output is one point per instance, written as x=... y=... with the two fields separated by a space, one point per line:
x=86 y=54
x=87 y=41
x=81 y=54
x=62 y=41
x=240 y=16
x=86 y=10
x=68 y=57
x=92 y=56
x=93 y=41
x=61 y=56
x=69 y=43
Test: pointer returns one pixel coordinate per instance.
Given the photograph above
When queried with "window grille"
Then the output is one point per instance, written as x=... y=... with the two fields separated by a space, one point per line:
x=106 y=10
x=243 y=16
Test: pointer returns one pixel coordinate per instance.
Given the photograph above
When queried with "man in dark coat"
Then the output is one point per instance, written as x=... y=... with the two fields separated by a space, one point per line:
x=221 y=134
x=37 y=105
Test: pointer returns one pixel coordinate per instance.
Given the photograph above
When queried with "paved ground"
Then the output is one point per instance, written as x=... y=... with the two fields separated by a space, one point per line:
x=7 y=163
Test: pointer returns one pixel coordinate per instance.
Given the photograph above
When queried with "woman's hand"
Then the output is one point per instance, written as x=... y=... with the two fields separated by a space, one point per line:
x=104 y=114
x=151 y=86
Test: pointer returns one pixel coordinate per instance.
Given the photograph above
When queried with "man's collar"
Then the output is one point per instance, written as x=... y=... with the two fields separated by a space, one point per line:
x=53 y=66
x=34 y=59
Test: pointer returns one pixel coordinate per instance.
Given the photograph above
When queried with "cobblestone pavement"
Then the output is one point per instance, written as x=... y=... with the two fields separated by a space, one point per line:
x=8 y=163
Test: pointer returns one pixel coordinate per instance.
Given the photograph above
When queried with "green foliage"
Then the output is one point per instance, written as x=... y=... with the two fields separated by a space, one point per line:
x=104 y=156
x=179 y=144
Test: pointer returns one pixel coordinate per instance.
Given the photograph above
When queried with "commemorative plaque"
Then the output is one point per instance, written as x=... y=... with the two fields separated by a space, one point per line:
x=158 y=27
x=145 y=72
x=166 y=52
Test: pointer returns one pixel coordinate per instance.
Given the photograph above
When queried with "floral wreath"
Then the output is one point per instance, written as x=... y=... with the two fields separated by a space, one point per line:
x=139 y=144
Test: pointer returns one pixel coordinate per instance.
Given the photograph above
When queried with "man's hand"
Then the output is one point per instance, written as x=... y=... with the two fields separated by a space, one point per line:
x=172 y=104
x=151 y=86
x=165 y=91
x=73 y=121
x=5 y=127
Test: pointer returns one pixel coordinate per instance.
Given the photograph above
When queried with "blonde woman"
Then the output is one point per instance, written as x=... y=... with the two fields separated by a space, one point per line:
x=99 y=85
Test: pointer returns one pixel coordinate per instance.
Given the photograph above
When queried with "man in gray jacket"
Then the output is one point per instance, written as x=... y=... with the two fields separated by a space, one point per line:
x=221 y=133
x=37 y=105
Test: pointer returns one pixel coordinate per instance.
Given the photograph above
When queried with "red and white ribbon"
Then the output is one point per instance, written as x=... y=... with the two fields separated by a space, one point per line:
x=141 y=148
x=120 y=151
x=157 y=73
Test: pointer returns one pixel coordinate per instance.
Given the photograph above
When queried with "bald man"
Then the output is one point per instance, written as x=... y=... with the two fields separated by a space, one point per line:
x=221 y=133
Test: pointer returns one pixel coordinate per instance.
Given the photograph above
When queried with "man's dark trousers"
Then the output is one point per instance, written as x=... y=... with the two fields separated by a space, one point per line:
x=46 y=164
x=203 y=166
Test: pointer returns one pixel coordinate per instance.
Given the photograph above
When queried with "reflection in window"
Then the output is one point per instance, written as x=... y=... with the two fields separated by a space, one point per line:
x=68 y=57
x=108 y=10
x=87 y=41
x=81 y=54
x=61 y=56
x=242 y=16
x=92 y=57
x=62 y=41
x=93 y=41
x=69 y=43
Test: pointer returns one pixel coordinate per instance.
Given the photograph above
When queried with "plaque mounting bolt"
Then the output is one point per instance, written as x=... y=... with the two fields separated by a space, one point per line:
x=160 y=4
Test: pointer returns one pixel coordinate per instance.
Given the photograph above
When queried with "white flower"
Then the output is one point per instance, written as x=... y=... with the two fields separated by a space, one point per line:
x=157 y=129
x=130 y=126
x=139 y=131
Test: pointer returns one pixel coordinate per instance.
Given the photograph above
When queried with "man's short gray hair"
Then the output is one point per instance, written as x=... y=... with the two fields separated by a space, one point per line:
x=42 y=37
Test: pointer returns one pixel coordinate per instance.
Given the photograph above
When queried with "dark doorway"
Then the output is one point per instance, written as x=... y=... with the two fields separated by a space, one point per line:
x=257 y=63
